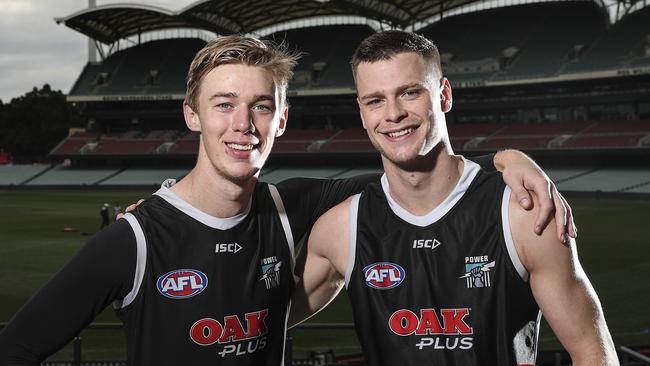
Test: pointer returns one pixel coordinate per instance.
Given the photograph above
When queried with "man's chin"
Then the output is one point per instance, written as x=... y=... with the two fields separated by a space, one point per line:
x=241 y=175
x=413 y=161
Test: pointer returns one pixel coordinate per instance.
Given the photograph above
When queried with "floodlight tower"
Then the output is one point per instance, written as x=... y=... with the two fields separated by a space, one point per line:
x=92 y=47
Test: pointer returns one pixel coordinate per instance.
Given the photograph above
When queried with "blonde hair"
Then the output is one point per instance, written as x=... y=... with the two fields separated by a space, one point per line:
x=245 y=50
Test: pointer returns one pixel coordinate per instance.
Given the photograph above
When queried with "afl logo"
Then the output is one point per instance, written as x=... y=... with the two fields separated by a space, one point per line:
x=383 y=275
x=182 y=283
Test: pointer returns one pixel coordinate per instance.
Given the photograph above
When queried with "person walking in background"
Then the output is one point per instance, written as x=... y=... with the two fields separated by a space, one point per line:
x=103 y=213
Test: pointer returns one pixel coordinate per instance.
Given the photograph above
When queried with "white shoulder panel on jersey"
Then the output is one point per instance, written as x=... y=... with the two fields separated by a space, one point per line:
x=202 y=217
x=352 y=253
x=507 y=234
x=470 y=170
x=284 y=219
x=141 y=261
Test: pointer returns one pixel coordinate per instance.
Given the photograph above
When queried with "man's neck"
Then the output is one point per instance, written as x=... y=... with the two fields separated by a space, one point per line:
x=210 y=192
x=419 y=191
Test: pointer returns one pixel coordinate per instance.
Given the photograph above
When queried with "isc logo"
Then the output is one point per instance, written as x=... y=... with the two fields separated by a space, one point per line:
x=182 y=283
x=426 y=243
x=227 y=248
x=383 y=275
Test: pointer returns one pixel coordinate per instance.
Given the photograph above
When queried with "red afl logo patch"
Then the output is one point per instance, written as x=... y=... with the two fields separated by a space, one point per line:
x=182 y=283
x=383 y=275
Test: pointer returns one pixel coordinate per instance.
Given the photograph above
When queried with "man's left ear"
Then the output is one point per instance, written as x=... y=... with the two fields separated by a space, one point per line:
x=283 y=121
x=446 y=98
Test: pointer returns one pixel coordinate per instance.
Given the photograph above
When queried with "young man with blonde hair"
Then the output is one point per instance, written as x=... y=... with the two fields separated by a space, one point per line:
x=202 y=272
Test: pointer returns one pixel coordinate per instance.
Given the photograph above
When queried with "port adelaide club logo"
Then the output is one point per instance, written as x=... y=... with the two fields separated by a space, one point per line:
x=270 y=272
x=477 y=271
x=182 y=283
x=383 y=275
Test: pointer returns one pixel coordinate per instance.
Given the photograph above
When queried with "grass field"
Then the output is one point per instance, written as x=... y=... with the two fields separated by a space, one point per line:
x=614 y=246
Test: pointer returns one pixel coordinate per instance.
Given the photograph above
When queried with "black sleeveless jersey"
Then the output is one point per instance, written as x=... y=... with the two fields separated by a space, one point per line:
x=446 y=288
x=209 y=291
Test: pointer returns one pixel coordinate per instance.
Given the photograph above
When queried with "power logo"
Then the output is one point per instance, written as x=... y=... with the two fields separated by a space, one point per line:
x=208 y=331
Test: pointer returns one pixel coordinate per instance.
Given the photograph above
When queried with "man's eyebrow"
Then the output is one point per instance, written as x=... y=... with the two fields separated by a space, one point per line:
x=223 y=95
x=416 y=84
x=371 y=95
x=377 y=94
x=264 y=97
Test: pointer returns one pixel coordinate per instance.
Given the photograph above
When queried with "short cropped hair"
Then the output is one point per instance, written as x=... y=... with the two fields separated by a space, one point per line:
x=383 y=46
x=240 y=49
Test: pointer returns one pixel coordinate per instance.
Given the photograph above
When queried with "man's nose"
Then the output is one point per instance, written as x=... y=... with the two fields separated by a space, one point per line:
x=243 y=120
x=394 y=111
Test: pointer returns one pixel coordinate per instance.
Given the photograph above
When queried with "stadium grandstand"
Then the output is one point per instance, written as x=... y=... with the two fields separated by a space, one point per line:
x=568 y=82
x=552 y=78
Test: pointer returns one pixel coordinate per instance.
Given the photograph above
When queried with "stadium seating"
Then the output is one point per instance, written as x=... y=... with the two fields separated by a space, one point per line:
x=349 y=140
x=563 y=174
x=641 y=188
x=606 y=180
x=618 y=46
x=610 y=134
x=173 y=69
x=544 y=135
x=591 y=141
x=64 y=176
x=464 y=136
x=143 y=177
x=547 y=48
x=326 y=55
x=155 y=67
x=17 y=174
x=543 y=128
x=457 y=130
x=127 y=147
x=300 y=141
x=515 y=142
x=72 y=145
x=530 y=135
x=537 y=50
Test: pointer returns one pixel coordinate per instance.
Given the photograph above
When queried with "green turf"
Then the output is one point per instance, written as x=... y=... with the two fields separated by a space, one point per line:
x=613 y=245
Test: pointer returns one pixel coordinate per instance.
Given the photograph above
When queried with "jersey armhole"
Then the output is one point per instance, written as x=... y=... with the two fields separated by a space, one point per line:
x=507 y=235
x=352 y=251
x=141 y=262
x=284 y=219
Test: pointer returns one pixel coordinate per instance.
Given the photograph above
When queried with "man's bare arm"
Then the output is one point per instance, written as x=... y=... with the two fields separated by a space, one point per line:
x=321 y=264
x=562 y=290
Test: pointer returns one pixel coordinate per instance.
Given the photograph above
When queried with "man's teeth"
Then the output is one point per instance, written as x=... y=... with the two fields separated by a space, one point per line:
x=240 y=147
x=400 y=133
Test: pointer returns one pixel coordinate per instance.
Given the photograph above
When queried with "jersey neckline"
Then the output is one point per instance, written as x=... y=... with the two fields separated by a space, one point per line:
x=470 y=170
x=214 y=222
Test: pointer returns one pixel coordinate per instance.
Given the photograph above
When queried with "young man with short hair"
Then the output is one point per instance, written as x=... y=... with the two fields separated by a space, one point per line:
x=437 y=258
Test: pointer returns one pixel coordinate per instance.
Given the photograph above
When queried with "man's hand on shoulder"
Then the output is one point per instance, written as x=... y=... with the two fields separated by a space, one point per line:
x=129 y=208
x=524 y=176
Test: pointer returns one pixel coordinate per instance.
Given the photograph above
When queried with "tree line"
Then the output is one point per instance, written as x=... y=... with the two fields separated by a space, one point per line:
x=34 y=123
